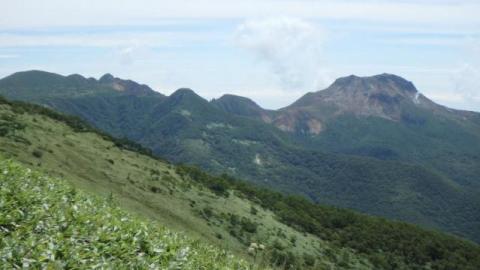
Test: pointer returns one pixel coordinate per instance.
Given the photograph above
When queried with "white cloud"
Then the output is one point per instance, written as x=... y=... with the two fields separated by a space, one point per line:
x=439 y=41
x=468 y=81
x=466 y=78
x=8 y=56
x=134 y=54
x=108 y=39
x=467 y=86
x=292 y=47
x=126 y=55
x=48 y=13
x=447 y=97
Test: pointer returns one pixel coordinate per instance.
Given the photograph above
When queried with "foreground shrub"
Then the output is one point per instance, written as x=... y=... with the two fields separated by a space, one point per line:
x=47 y=224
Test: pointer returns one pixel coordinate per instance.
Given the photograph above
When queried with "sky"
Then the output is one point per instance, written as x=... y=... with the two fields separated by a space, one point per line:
x=272 y=51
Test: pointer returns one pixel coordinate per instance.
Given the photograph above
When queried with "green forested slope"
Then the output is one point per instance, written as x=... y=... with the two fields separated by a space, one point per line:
x=65 y=147
x=219 y=210
x=422 y=168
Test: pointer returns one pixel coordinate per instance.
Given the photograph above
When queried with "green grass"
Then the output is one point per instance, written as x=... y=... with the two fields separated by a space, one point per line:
x=45 y=223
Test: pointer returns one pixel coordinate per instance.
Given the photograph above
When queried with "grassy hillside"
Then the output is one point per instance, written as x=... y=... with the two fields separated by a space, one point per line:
x=47 y=224
x=219 y=210
x=422 y=169
x=152 y=188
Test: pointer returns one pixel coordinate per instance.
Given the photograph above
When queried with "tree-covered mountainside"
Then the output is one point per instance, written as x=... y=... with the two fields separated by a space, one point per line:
x=242 y=106
x=385 y=117
x=265 y=227
x=371 y=144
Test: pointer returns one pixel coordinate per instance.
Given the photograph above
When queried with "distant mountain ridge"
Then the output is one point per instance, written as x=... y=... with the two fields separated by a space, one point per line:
x=242 y=106
x=384 y=95
x=33 y=82
x=373 y=144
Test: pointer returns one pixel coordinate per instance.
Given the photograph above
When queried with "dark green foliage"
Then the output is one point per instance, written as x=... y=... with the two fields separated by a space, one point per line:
x=387 y=244
x=234 y=220
x=219 y=189
x=283 y=259
x=37 y=153
x=155 y=189
x=207 y=212
x=248 y=225
x=293 y=240
x=218 y=185
x=309 y=259
x=8 y=124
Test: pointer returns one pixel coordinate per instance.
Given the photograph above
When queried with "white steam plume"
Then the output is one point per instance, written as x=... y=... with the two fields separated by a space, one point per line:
x=292 y=47
x=467 y=78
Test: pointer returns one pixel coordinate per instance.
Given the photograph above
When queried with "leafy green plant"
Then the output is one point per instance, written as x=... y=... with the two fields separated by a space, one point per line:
x=47 y=224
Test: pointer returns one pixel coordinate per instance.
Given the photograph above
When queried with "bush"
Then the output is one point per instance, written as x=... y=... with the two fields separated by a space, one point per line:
x=248 y=226
x=155 y=189
x=234 y=219
x=37 y=153
x=207 y=212
x=308 y=259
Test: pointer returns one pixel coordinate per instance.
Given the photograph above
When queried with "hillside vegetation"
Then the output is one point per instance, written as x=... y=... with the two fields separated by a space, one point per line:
x=66 y=147
x=218 y=209
x=47 y=224
x=386 y=154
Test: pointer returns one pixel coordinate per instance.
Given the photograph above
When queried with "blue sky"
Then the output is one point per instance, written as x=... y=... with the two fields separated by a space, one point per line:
x=270 y=51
